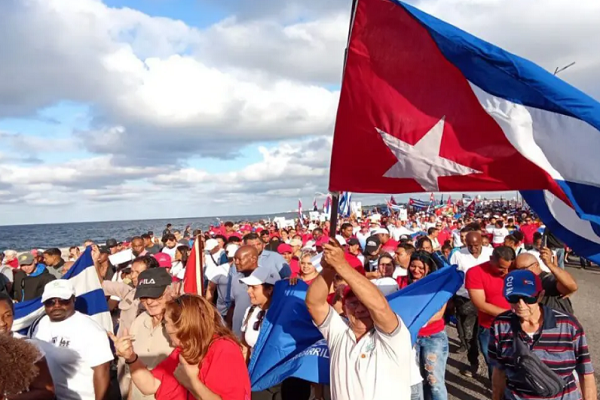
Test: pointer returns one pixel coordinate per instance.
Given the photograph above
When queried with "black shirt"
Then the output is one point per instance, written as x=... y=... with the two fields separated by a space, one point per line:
x=552 y=297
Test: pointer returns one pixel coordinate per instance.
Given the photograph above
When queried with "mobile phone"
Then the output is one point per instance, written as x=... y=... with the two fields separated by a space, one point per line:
x=545 y=241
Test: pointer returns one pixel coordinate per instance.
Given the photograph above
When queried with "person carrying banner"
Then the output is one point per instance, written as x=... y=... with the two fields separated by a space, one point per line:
x=368 y=356
x=432 y=340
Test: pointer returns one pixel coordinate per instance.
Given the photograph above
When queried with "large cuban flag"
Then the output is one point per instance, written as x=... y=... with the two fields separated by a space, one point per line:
x=90 y=298
x=438 y=109
x=289 y=344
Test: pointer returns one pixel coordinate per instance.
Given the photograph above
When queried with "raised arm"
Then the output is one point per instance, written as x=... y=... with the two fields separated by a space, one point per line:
x=140 y=374
x=367 y=293
x=565 y=283
x=316 y=296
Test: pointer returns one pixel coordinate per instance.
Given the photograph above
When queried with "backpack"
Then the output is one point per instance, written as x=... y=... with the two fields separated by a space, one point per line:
x=533 y=373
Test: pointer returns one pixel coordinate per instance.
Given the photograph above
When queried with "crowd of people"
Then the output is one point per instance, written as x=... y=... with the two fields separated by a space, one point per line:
x=513 y=309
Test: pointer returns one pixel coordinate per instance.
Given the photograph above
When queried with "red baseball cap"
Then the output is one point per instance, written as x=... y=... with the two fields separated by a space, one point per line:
x=284 y=248
x=164 y=260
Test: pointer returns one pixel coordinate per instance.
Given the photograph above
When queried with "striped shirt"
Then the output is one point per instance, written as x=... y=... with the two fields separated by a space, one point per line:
x=561 y=345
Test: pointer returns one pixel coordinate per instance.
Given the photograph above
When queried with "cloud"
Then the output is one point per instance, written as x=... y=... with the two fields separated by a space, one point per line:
x=146 y=89
x=160 y=92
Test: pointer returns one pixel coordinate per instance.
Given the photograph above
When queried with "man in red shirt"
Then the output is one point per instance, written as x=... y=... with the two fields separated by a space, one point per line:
x=485 y=284
x=528 y=229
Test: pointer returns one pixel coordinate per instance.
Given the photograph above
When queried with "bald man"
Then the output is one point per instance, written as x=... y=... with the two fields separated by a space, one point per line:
x=557 y=284
x=466 y=313
x=246 y=260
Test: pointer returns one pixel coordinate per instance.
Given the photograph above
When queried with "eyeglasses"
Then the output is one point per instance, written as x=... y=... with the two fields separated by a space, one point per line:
x=61 y=302
x=526 y=299
x=259 y=320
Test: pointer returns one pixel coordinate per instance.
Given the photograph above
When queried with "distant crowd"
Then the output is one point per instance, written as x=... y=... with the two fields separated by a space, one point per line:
x=513 y=308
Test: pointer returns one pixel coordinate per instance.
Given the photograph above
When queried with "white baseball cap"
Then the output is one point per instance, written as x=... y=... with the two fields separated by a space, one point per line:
x=380 y=230
x=231 y=250
x=58 y=289
x=210 y=244
x=340 y=240
x=262 y=275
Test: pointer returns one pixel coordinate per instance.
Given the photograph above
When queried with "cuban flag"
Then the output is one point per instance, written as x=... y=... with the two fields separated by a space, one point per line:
x=440 y=110
x=327 y=205
x=90 y=297
x=345 y=199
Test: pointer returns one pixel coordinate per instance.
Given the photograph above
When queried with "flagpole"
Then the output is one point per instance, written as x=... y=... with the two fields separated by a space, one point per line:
x=335 y=201
x=199 y=264
x=335 y=196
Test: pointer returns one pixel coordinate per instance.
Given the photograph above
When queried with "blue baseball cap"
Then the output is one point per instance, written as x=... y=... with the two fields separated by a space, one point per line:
x=522 y=282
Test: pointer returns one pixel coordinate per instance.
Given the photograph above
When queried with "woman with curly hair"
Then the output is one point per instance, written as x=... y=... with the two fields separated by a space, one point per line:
x=206 y=363
x=432 y=340
x=24 y=373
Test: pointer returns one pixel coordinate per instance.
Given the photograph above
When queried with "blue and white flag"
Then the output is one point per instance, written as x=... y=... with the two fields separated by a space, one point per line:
x=581 y=235
x=90 y=297
x=345 y=199
x=289 y=344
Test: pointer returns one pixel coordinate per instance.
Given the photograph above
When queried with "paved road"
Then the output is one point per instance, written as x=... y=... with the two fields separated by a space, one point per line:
x=585 y=303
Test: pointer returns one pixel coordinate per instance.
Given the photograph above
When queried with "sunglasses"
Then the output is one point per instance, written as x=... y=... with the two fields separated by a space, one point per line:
x=259 y=320
x=526 y=299
x=52 y=302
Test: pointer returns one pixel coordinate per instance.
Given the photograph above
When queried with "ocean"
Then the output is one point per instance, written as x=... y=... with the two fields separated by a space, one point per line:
x=44 y=236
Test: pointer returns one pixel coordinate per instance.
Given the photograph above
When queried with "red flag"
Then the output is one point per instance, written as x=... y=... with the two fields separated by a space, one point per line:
x=416 y=116
x=449 y=200
x=193 y=281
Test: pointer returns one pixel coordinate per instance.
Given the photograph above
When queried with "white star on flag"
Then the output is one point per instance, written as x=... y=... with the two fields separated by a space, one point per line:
x=422 y=162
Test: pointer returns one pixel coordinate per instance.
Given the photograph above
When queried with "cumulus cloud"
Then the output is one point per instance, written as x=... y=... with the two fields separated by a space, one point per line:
x=161 y=92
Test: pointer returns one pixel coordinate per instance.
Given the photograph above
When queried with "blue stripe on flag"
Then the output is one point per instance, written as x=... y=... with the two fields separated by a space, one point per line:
x=582 y=236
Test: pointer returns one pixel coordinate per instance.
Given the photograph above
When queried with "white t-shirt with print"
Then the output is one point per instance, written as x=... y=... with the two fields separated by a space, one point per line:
x=374 y=368
x=72 y=348
x=251 y=334
x=465 y=261
x=498 y=235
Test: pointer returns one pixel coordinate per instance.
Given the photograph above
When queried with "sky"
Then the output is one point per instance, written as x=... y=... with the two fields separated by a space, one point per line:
x=134 y=109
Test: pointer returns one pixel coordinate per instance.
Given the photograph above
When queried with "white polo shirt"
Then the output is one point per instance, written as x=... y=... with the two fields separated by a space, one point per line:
x=378 y=367
x=466 y=261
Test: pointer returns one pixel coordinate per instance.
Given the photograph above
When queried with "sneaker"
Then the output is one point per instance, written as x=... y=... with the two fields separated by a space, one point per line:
x=466 y=372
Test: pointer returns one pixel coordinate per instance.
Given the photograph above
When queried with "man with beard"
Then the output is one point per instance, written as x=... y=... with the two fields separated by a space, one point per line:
x=76 y=347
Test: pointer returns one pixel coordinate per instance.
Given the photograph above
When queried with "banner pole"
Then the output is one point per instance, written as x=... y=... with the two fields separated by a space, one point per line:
x=335 y=201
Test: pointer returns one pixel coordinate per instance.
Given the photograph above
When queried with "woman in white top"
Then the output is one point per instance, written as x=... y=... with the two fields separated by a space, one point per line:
x=499 y=233
x=260 y=289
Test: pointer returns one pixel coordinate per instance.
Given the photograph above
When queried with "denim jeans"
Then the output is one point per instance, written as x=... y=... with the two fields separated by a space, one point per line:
x=416 y=391
x=432 y=353
x=484 y=342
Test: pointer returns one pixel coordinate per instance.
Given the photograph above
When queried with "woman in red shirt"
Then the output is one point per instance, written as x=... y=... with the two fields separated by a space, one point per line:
x=207 y=362
x=432 y=340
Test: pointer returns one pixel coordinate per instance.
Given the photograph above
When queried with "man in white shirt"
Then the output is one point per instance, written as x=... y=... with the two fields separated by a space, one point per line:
x=466 y=312
x=370 y=357
x=219 y=281
x=77 y=348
